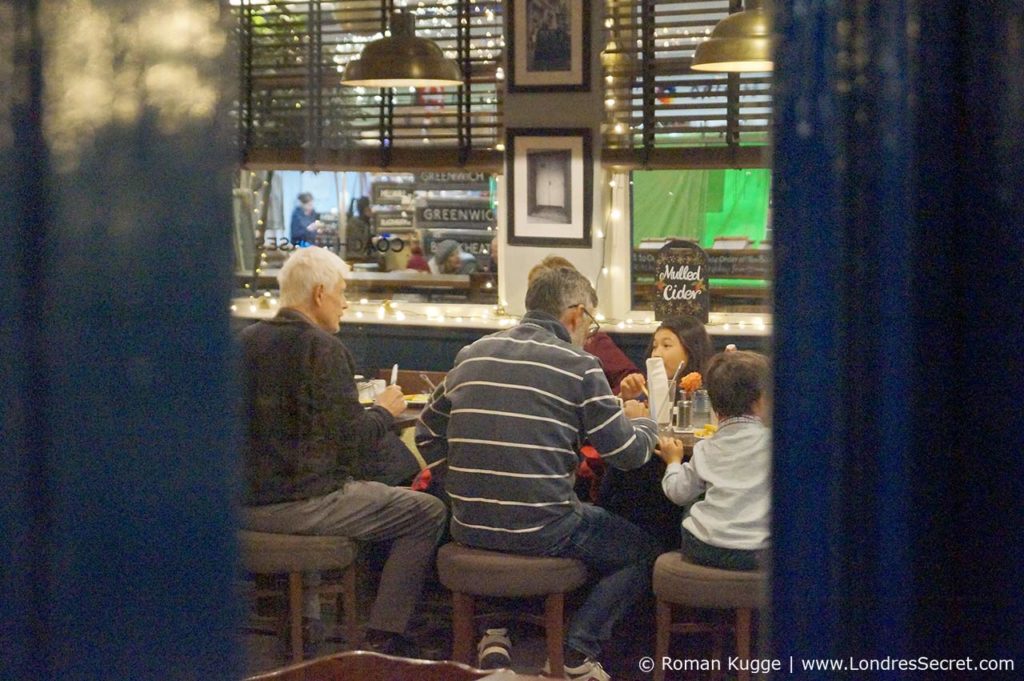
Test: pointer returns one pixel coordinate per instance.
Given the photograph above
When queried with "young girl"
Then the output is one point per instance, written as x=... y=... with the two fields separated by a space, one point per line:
x=683 y=344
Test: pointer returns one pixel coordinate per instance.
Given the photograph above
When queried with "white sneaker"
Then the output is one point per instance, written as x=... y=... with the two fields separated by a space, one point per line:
x=590 y=670
x=494 y=650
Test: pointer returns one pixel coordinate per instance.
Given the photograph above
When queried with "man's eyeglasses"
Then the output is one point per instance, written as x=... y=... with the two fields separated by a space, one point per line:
x=594 y=326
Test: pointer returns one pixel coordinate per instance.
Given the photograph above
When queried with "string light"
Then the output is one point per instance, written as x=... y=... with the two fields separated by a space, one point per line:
x=489 y=316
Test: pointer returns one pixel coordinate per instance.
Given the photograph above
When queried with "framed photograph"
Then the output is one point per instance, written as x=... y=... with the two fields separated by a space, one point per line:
x=548 y=45
x=550 y=186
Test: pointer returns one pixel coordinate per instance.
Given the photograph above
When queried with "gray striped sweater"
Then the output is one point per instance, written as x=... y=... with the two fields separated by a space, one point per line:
x=510 y=417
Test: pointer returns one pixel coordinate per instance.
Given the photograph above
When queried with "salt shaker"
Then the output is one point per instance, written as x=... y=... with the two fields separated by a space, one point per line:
x=683 y=415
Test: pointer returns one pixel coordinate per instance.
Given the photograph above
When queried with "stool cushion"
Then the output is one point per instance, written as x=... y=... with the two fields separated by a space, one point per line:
x=493 y=573
x=678 y=581
x=268 y=553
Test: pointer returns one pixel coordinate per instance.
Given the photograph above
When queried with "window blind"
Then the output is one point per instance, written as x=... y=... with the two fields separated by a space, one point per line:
x=294 y=112
x=660 y=113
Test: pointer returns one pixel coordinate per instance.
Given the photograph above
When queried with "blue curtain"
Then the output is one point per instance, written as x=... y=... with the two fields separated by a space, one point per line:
x=898 y=218
x=117 y=550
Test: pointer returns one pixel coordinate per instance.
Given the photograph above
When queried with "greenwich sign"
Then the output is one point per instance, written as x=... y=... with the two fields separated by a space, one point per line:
x=456 y=214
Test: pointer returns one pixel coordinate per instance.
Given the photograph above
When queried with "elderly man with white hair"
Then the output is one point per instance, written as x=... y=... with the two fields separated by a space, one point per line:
x=309 y=440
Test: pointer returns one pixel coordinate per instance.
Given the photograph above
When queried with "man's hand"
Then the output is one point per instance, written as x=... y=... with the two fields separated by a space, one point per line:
x=632 y=386
x=392 y=400
x=634 y=409
x=669 y=450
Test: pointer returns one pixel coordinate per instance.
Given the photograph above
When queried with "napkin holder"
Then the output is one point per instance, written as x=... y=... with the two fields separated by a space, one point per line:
x=659 y=396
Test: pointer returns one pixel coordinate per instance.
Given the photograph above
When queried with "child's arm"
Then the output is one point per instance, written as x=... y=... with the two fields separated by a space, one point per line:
x=681 y=483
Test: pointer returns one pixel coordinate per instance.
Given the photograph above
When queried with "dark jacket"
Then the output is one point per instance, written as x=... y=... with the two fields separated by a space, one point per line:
x=613 y=360
x=306 y=429
x=300 y=226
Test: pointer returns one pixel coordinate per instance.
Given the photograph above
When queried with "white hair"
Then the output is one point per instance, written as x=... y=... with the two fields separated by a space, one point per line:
x=304 y=269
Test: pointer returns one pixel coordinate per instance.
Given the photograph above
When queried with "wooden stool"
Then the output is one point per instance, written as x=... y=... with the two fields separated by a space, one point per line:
x=679 y=582
x=292 y=554
x=471 y=572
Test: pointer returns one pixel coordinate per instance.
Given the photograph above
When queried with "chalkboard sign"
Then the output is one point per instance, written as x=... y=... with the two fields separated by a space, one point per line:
x=644 y=261
x=461 y=180
x=740 y=264
x=463 y=214
x=391 y=221
x=681 y=281
x=392 y=193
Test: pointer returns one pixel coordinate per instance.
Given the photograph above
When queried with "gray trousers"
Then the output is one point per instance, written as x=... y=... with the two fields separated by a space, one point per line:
x=370 y=512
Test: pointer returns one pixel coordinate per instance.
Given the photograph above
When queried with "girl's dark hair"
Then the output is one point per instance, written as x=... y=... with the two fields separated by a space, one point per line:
x=694 y=338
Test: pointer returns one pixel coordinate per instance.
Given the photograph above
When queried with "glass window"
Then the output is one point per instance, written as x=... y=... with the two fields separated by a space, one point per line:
x=726 y=212
x=408 y=236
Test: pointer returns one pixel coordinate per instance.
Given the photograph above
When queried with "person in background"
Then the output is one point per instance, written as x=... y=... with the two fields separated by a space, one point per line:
x=729 y=527
x=614 y=362
x=510 y=449
x=449 y=258
x=359 y=230
x=492 y=263
x=309 y=442
x=305 y=221
x=684 y=346
x=416 y=260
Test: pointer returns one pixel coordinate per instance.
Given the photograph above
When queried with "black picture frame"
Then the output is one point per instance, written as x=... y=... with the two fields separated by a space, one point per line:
x=548 y=45
x=549 y=177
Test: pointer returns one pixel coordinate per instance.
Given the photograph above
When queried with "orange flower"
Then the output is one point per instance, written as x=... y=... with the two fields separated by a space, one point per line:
x=691 y=381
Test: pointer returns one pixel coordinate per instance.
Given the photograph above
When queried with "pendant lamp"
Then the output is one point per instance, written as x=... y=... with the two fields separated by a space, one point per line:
x=738 y=43
x=402 y=60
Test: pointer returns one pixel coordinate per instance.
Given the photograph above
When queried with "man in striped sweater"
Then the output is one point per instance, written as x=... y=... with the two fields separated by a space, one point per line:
x=509 y=418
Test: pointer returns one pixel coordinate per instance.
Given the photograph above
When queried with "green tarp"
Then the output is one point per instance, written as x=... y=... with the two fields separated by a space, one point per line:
x=700 y=205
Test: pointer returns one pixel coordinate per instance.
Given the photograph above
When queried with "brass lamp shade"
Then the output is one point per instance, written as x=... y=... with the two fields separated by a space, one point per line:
x=740 y=42
x=402 y=60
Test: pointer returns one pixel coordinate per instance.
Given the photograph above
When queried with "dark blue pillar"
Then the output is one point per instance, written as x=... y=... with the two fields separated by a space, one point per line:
x=117 y=399
x=897 y=219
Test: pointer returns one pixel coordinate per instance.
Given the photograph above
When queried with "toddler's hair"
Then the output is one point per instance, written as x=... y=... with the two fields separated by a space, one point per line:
x=735 y=381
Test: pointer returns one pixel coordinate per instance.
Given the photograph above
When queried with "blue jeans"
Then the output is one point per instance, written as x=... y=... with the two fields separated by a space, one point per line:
x=622 y=555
